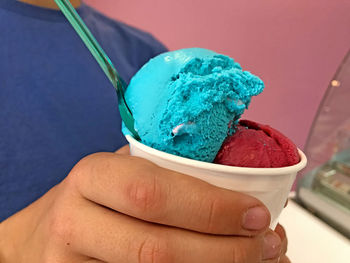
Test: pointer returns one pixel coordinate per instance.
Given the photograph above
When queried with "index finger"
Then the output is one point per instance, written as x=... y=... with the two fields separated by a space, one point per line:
x=139 y=188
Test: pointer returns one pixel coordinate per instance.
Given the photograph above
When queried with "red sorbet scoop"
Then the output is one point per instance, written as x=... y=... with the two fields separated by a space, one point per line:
x=257 y=145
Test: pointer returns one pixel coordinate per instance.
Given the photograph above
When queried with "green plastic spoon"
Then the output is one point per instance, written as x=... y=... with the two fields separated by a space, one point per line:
x=102 y=59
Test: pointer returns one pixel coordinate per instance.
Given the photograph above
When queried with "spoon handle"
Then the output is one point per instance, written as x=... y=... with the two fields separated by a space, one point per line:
x=89 y=40
x=102 y=59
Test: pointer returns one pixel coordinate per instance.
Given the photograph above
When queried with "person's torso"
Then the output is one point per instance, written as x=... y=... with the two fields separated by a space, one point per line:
x=56 y=104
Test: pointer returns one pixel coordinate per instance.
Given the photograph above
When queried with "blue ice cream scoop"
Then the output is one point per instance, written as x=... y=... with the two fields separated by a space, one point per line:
x=186 y=102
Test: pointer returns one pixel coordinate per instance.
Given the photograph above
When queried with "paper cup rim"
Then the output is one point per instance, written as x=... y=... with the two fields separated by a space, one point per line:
x=219 y=167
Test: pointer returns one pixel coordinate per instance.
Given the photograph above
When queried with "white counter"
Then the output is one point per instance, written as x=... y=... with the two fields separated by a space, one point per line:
x=311 y=240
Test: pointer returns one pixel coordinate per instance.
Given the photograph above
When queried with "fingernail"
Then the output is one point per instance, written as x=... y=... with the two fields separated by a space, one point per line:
x=272 y=245
x=256 y=218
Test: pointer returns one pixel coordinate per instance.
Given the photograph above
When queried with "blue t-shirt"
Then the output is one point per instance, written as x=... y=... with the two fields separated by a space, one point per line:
x=56 y=104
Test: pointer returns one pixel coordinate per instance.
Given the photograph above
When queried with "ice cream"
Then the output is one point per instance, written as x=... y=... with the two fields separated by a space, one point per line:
x=257 y=145
x=186 y=102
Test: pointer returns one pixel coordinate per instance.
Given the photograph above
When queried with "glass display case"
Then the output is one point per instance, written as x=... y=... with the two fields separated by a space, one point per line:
x=324 y=187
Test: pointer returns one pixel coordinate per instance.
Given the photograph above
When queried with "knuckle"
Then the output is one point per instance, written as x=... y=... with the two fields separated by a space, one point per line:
x=154 y=250
x=92 y=165
x=87 y=162
x=146 y=195
x=79 y=169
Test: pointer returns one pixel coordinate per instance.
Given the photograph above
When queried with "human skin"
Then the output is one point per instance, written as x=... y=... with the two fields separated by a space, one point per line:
x=113 y=207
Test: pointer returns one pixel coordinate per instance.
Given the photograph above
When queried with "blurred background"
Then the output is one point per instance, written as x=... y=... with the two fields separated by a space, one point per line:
x=295 y=46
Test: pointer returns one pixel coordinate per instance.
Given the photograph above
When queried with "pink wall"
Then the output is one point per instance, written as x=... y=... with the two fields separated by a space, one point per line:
x=294 y=45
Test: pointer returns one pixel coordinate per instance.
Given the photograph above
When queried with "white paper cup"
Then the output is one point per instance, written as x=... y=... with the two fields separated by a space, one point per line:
x=269 y=185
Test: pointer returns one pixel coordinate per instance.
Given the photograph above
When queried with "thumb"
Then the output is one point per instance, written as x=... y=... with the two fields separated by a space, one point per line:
x=125 y=150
